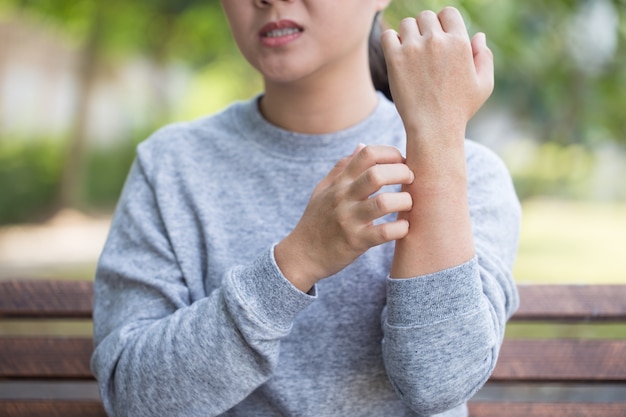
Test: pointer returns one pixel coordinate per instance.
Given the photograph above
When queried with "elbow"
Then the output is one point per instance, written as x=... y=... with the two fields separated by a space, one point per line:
x=101 y=369
x=426 y=399
x=114 y=388
x=436 y=389
x=433 y=399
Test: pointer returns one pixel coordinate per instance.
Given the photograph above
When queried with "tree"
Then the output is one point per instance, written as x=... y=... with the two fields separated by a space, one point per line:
x=190 y=30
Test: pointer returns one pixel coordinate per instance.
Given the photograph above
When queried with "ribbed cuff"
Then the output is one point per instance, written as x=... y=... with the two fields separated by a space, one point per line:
x=264 y=292
x=436 y=297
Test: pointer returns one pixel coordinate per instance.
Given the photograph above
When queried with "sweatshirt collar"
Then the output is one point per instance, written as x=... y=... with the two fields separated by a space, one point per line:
x=254 y=128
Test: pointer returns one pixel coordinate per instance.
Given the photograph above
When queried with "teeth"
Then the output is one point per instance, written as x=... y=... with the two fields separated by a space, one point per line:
x=281 y=32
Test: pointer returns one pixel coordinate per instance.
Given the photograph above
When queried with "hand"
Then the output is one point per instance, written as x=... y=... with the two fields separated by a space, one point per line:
x=338 y=223
x=438 y=77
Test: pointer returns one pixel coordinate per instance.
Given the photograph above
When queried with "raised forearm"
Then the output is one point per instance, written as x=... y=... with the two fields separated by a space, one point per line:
x=439 y=78
x=440 y=233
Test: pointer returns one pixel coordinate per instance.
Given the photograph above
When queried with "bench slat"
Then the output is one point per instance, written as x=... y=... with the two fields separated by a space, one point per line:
x=39 y=357
x=562 y=360
x=74 y=299
x=51 y=408
x=513 y=409
x=524 y=361
x=571 y=302
x=46 y=299
x=520 y=360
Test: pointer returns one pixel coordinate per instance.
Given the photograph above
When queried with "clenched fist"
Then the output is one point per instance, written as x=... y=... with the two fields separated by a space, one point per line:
x=438 y=77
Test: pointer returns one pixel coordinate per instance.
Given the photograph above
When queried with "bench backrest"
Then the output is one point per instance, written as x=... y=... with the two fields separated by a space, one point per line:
x=43 y=374
x=49 y=375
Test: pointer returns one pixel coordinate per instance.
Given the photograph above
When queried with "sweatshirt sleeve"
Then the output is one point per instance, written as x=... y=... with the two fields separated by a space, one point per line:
x=443 y=331
x=159 y=354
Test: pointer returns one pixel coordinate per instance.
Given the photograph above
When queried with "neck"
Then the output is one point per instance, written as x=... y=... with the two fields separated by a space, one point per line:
x=320 y=104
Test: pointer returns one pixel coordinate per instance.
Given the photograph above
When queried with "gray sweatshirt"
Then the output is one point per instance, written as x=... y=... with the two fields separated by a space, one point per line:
x=194 y=318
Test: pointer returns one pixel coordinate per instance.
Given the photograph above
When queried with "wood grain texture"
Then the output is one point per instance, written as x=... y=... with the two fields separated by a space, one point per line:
x=572 y=302
x=74 y=299
x=497 y=409
x=46 y=299
x=51 y=408
x=45 y=357
x=548 y=361
x=567 y=360
x=520 y=360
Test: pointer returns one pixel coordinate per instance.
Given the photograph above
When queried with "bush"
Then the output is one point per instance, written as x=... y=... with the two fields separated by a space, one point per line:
x=551 y=169
x=30 y=175
x=31 y=171
x=105 y=174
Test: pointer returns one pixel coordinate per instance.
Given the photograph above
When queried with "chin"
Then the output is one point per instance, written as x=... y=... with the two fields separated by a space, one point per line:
x=281 y=73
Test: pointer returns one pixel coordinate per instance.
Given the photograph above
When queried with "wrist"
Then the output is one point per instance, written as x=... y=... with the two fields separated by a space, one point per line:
x=442 y=126
x=292 y=263
x=436 y=164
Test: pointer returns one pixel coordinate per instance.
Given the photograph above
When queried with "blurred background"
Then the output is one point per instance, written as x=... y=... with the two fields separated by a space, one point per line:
x=83 y=82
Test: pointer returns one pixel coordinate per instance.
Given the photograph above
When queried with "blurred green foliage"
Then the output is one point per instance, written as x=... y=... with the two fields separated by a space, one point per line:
x=194 y=31
x=29 y=178
x=105 y=172
x=552 y=169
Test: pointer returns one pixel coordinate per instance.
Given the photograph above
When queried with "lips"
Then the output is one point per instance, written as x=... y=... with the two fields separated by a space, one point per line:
x=277 y=33
x=280 y=33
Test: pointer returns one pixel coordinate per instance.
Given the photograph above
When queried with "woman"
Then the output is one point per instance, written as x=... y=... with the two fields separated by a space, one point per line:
x=284 y=258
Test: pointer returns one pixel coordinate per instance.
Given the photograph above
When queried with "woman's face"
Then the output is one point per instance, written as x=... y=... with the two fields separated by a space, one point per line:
x=287 y=40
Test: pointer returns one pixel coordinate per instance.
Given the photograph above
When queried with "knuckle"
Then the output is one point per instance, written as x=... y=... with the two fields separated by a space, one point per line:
x=462 y=41
x=368 y=155
x=427 y=14
x=450 y=10
x=382 y=203
x=436 y=40
x=336 y=200
x=384 y=233
x=353 y=241
x=374 y=177
x=342 y=162
x=407 y=21
x=344 y=222
x=412 y=49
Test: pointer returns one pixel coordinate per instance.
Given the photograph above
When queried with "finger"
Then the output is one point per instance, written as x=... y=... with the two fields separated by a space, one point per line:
x=378 y=176
x=452 y=21
x=370 y=156
x=483 y=61
x=428 y=23
x=358 y=149
x=340 y=166
x=382 y=204
x=390 y=40
x=408 y=30
x=386 y=232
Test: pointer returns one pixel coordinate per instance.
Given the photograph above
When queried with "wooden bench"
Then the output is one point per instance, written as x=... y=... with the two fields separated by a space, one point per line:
x=43 y=374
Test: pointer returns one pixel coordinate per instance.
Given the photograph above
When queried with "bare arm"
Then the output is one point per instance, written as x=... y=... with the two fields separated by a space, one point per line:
x=444 y=326
x=439 y=79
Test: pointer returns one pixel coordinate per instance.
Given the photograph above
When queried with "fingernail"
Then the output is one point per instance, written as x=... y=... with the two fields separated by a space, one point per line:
x=358 y=148
x=483 y=38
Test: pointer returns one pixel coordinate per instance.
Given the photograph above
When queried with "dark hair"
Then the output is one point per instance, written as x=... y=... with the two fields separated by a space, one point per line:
x=378 y=66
